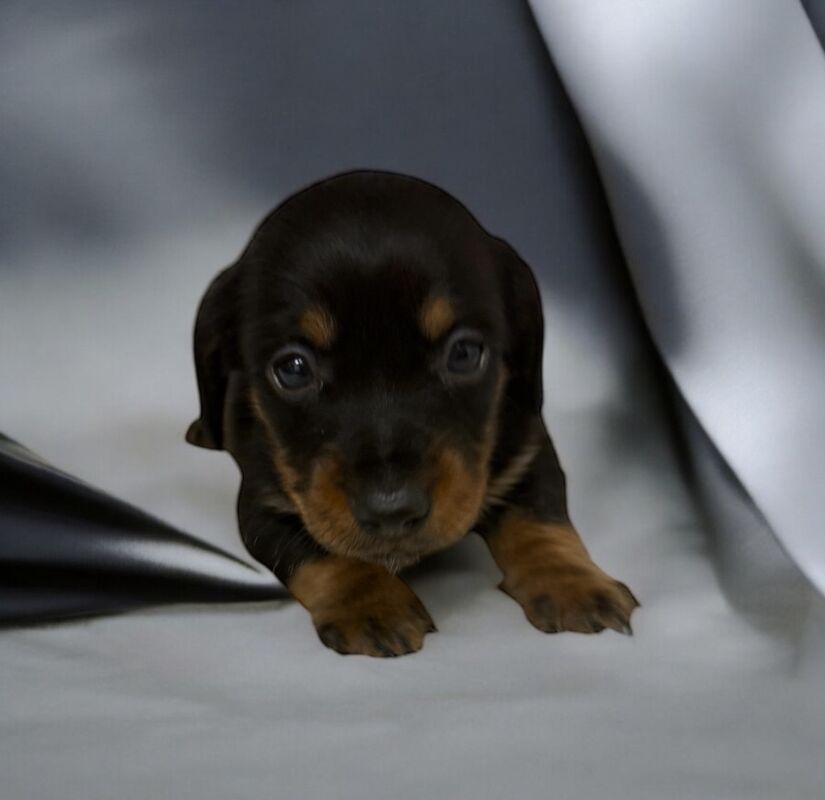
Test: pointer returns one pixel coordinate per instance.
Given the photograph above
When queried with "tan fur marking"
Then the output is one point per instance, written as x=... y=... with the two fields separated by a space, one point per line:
x=501 y=484
x=457 y=494
x=314 y=582
x=289 y=477
x=360 y=608
x=523 y=544
x=325 y=508
x=460 y=488
x=549 y=572
x=436 y=318
x=318 y=325
x=258 y=412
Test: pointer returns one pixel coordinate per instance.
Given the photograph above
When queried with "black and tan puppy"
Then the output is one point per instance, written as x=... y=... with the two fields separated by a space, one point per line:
x=373 y=363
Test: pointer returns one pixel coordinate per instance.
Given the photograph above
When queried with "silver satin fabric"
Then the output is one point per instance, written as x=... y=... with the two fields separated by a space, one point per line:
x=147 y=141
x=707 y=121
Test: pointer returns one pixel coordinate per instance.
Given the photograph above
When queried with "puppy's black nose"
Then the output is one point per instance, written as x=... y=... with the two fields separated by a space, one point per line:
x=392 y=513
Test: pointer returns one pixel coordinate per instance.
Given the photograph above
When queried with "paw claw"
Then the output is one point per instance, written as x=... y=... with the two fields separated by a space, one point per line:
x=630 y=595
x=590 y=603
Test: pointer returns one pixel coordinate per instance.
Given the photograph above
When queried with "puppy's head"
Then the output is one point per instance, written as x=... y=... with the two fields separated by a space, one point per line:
x=384 y=336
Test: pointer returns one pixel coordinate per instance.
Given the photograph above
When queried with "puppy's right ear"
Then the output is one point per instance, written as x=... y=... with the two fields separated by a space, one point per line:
x=525 y=321
x=216 y=355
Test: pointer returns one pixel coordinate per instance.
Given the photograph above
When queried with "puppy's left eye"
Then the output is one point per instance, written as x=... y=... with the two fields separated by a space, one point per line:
x=466 y=354
x=293 y=372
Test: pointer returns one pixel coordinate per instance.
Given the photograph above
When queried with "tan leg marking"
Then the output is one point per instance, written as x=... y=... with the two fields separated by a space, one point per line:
x=548 y=571
x=360 y=608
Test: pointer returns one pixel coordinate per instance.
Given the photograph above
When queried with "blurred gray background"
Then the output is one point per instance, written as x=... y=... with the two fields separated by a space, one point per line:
x=143 y=142
x=124 y=120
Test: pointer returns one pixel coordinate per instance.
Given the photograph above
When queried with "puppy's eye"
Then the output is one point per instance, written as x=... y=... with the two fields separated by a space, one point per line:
x=293 y=371
x=466 y=355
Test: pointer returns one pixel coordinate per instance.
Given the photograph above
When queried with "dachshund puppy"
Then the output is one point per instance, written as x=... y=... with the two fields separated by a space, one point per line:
x=372 y=362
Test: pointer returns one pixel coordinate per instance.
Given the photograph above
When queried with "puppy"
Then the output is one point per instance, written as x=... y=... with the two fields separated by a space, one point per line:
x=372 y=362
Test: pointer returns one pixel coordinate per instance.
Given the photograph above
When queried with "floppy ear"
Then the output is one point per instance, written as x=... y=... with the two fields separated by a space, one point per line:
x=525 y=328
x=216 y=354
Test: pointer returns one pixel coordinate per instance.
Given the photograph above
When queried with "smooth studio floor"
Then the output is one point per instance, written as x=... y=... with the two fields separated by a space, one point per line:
x=242 y=702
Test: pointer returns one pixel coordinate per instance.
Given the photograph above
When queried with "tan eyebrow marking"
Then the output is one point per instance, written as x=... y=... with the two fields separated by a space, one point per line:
x=436 y=317
x=318 y=325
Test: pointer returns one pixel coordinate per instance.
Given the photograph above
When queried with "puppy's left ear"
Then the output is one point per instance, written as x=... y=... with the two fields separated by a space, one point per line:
x=525 y=328
x=216 y=355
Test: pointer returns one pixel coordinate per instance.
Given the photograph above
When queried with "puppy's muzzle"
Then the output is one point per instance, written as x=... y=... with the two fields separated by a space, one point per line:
x=393 y=513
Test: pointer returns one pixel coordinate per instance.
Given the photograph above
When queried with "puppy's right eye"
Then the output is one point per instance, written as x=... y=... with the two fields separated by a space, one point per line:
x=293 y=372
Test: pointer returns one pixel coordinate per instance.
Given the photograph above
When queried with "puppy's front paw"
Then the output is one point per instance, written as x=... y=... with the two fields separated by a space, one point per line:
x=386 y=620
x=548 y=571
x=581 y=600
x=385 y=626
x=360 y=608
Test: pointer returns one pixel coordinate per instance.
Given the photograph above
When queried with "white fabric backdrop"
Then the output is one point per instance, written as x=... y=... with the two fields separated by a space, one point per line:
x=707 y=119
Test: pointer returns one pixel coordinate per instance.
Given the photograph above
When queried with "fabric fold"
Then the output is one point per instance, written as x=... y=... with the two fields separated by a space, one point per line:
x=69 y=550
x=706 y=121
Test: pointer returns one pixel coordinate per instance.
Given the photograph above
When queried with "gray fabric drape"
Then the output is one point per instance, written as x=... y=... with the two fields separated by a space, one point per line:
x=707 y=120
